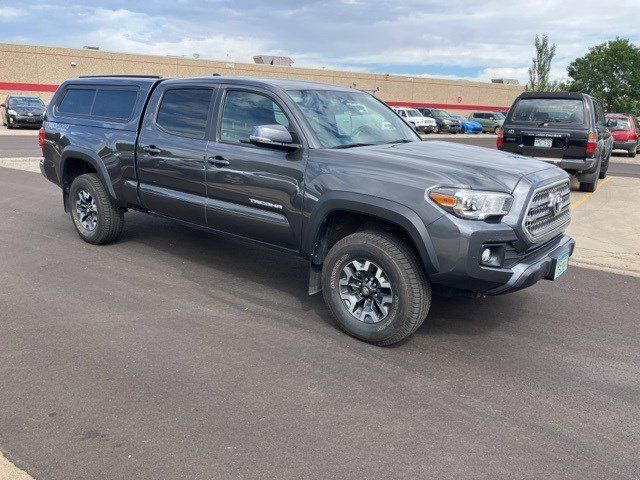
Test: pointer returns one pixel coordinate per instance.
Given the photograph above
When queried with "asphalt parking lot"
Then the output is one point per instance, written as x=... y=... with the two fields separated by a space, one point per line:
x=176 y=354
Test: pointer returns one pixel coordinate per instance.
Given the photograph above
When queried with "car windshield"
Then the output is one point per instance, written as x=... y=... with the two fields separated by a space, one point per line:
x=412 y=112
x=621 y=124
x=548 y=110
x=457 y=117
x=441 y=114
x=337 y=124
x=498 y=115
x=25 y=102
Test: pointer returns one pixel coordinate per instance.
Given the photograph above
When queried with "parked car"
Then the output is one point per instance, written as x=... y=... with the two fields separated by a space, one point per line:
x=566 y=129
x=381 y=216
x=468 y=126
x=444 y=122
x=418 y=121
x=625 y=131
x=490 y=121
x=22 y=111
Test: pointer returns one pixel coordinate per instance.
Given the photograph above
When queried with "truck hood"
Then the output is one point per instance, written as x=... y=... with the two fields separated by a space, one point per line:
x=449 y=164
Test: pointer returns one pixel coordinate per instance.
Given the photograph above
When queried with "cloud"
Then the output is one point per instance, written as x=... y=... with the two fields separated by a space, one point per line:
x=462 y=39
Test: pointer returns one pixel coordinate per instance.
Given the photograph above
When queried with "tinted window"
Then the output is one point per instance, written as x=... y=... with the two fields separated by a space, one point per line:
x=548 y=110
x=244 y=110
x=115 y=103
x=185 y=111
x=77 y=101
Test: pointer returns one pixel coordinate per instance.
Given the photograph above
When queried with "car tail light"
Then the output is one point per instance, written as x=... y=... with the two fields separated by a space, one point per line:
x=500 y=139
x=41 y=138
x=592 y=143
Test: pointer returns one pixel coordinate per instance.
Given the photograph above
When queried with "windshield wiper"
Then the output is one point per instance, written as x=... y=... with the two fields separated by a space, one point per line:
x=351 y=145
x=404 y=140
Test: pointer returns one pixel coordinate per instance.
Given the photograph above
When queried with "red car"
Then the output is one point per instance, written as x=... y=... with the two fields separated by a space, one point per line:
x=625 y=131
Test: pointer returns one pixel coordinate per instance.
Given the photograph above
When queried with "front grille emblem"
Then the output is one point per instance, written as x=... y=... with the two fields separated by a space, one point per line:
x=555 y=203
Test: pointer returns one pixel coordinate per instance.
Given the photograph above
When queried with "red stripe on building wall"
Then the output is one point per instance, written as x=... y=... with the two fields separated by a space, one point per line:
x=28 y=87
x=454 y=106
x=45 y=87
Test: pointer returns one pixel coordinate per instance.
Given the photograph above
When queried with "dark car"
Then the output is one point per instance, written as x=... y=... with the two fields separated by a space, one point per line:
x=22 y=111
x=625 y=131
x=566 y=129
x=382 y=217
x=444 y=122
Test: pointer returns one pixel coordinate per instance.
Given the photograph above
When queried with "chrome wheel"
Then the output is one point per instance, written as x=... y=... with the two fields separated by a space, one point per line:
x=365 y=291
x=86 y=210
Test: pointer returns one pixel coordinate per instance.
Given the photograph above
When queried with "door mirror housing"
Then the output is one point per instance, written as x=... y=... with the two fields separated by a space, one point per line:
x=275 y=136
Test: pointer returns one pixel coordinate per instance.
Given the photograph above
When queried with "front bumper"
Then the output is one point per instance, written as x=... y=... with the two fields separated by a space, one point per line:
x=450 y=128
x=459 y=245
x=25 y=120
x=426 y=128
x=538 y=265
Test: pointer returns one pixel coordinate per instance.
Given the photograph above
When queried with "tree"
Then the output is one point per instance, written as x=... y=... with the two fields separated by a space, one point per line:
x=539 y=70
x=611 y=73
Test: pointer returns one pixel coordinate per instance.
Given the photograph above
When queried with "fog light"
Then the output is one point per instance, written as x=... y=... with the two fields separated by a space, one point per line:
x=492 y=255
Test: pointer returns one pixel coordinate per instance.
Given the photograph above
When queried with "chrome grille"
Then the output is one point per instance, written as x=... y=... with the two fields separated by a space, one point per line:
x=548 y=212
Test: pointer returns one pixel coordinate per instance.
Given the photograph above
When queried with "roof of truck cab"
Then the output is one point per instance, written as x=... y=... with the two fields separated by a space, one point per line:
x=283 y=83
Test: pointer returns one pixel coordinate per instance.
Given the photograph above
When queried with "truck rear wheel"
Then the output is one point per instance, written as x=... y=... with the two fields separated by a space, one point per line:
x=96 y=218
x=375 y=287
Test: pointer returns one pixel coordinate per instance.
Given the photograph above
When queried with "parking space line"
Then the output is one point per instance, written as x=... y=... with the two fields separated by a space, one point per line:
x=584 y=197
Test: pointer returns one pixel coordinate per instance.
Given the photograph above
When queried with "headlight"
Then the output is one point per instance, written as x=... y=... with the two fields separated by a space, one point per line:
x=471 y=204
x=11 y=112
x=446 y=121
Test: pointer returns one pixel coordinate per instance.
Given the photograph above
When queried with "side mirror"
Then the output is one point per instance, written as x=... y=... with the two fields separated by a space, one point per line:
x=276 y=136
x=492 y=118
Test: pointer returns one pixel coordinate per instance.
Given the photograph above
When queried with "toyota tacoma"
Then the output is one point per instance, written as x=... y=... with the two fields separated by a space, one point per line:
x=321 y=171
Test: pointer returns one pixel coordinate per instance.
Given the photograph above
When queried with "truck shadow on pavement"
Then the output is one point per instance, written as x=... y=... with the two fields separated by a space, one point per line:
x=252 y=276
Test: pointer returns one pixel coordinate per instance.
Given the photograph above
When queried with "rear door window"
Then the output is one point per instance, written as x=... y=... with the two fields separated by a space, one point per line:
x=184 y=111
x=77 y=101
x=549 y=110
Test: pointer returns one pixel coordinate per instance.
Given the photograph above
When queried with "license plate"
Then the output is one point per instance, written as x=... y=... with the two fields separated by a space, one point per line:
x=543 y=142
x=561 y=265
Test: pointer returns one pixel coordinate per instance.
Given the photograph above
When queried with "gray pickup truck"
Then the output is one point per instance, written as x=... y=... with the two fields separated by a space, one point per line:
x=321 y=171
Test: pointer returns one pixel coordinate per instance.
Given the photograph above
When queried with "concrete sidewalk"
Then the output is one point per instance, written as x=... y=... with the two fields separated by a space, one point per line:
x=606 y=227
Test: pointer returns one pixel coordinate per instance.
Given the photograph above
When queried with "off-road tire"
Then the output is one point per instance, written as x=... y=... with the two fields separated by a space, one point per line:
x=632 y=153
x=411 y=288
x=110 y=216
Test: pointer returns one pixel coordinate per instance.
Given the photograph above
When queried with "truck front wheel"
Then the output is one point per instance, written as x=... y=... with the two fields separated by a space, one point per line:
x=375 y=287
x=96 y=218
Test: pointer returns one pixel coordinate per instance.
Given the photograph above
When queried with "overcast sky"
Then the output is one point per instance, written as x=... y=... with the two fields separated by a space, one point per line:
x=460 y=39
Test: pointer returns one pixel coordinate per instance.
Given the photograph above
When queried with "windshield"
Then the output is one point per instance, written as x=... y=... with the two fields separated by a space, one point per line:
x=441 y=114
x=413 y=113
x=621 y=124
x=457 y=117
x=25 y=102
x=337 y=124
x=548 y=110
x=498 y=115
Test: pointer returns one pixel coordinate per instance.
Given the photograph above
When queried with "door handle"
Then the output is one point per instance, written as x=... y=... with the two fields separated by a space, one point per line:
x=151 y=149
x=218 y=161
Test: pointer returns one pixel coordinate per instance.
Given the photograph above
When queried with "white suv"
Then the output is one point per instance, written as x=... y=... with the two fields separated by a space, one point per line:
x=418 y=121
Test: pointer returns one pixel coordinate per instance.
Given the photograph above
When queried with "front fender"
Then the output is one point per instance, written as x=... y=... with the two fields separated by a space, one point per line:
x=374 y=207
